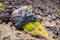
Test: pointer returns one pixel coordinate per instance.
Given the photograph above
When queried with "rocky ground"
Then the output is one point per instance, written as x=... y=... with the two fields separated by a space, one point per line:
x=47 y=12
x=10 y=33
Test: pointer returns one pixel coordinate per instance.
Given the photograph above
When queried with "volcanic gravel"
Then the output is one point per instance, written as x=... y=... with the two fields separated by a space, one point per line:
x=45 y=11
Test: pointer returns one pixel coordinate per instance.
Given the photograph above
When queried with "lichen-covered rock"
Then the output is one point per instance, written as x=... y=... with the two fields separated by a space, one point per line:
x=21 y=16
